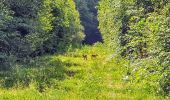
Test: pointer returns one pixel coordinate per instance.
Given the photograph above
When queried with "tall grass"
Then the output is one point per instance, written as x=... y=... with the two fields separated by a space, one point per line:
x=69 y=76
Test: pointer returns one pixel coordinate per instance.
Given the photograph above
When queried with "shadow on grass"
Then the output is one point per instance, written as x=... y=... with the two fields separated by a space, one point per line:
x=44 y=72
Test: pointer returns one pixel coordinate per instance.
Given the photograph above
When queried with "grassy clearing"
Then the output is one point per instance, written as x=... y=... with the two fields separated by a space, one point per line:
x=70 y=77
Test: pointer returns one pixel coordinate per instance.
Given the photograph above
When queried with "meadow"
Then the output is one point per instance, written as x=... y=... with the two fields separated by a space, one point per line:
x=71 y=77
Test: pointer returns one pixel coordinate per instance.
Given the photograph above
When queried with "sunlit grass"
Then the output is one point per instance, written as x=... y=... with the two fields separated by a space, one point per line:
x=70 y=77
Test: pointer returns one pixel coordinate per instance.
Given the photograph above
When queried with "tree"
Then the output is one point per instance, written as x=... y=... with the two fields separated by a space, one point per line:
x=35 y=27
x=138 y=29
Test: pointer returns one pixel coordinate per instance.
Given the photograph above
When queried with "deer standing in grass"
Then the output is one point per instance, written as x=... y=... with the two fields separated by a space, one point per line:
x=84 y=56
x=94 y=56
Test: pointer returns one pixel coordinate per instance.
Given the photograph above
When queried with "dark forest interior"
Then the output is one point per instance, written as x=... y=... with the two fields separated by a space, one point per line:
x=88 y=17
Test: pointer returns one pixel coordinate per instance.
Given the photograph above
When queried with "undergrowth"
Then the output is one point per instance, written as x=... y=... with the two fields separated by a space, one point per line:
x=71 y=77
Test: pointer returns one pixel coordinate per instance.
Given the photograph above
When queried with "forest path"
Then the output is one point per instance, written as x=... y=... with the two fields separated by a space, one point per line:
x=69 y=76
x=99 y=78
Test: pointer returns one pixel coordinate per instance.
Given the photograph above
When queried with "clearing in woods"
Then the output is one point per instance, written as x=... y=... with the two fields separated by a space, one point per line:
x=94 y=78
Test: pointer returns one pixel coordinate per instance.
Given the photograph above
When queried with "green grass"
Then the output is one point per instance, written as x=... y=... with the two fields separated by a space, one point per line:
x=69 y=77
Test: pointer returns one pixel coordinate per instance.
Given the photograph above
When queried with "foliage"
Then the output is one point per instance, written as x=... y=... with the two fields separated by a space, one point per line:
x=132 y=63
x=88 y=13
x=35 y=27
x=70 y=76
x=5 y=17
x=138 y=30
x=88 y=17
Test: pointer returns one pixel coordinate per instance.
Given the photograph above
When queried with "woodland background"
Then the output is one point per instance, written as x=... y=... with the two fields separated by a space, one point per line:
x=42 y=43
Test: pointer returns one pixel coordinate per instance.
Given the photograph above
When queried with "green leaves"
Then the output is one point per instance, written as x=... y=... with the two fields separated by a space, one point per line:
x=34 y=27
x=139 y=29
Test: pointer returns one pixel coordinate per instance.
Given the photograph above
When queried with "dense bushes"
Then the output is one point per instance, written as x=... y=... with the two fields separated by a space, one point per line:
x=139 y=30
x=4 y=45
x=33 y=27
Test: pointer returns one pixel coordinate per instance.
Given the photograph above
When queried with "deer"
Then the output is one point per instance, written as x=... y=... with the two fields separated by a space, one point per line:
x=94 y=56
x=84 y=56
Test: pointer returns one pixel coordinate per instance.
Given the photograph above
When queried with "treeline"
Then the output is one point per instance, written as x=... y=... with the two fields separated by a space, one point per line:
x=29 y=28
x=139 y=31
